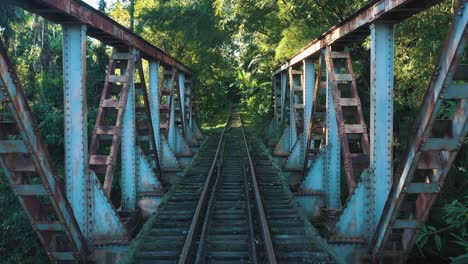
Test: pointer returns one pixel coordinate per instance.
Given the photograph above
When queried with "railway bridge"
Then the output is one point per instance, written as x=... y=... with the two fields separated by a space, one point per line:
x=191 y=198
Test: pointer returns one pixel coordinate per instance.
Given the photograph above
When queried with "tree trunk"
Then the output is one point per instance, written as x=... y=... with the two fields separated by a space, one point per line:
x=132 y=15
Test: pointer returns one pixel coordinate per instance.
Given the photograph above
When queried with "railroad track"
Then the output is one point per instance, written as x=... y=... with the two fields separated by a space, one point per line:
x=231 y=208
x=227 y=234
x=294 y=238
x=163 y=242
x=226 y=229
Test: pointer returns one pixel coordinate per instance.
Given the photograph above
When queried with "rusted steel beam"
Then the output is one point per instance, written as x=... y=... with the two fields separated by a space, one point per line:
x=105 y=164
x=429 y=150
x=314 y=130
x=99 y=26
x=357 y=26
x=155 y=151
x=180 y=96
x=29 y=169
x=358 y=159
x=170 y=132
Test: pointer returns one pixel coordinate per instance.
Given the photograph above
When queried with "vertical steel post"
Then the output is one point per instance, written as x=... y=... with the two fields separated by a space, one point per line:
x=129 y=148
x=190 y=115
x=191 y=103
x=153 y=99
x=381 y=117
x=284 y=86
x=171 y=136
x=75 y=109
x=182 y=95
x=332 y=162
x=275 y=102
x=309 y=83
x=292 y=118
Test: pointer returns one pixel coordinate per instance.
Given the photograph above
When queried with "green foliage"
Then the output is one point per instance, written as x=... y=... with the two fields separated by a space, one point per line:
x=18 y=242
x=417 y=53
x=35 y=46
x=456 y=217
x=254 y=91
x=296 y=36
x=453 y=233
x=427 y=232
x=191 y=32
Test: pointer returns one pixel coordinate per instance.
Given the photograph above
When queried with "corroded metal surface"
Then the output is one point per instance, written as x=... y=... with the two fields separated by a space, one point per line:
x=351 y=124
x=315 y=136
x=430 y=153
x=356 y=27
x=99 y=26
x=30 y=172
x=105 y=141
x=151 y=152
x=75 y=127
x=429 y=157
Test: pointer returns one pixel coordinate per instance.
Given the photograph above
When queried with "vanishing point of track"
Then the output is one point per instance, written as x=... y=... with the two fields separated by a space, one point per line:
x=223 y=212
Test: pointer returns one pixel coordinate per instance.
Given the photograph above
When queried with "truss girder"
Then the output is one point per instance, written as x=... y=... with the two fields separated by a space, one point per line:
x=29 y=169
x=379 y=214
x=99 y=26
x=432 y=150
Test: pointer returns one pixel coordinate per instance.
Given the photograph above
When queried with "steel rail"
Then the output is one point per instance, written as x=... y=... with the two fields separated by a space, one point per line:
x=201 y=245
x=185 y=254
x=99 y=26
x=252 y=249
x=199 y=258
x=249 y=215
x=258 y=199
x=357 y=26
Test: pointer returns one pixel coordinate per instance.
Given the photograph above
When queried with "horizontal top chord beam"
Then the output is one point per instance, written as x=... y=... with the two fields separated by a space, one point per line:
x=99 y=26
x=357 y=26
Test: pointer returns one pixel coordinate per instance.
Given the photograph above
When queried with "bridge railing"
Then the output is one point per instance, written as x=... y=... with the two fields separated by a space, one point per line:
x=317 y=107
x=152 y=127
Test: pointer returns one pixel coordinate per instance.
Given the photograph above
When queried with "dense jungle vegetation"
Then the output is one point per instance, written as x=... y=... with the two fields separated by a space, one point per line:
x=232 y=47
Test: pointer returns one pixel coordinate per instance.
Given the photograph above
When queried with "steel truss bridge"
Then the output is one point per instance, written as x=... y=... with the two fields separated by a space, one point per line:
x=316 y=107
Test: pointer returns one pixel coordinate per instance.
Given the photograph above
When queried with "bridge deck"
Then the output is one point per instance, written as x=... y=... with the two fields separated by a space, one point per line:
x=294 y=239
